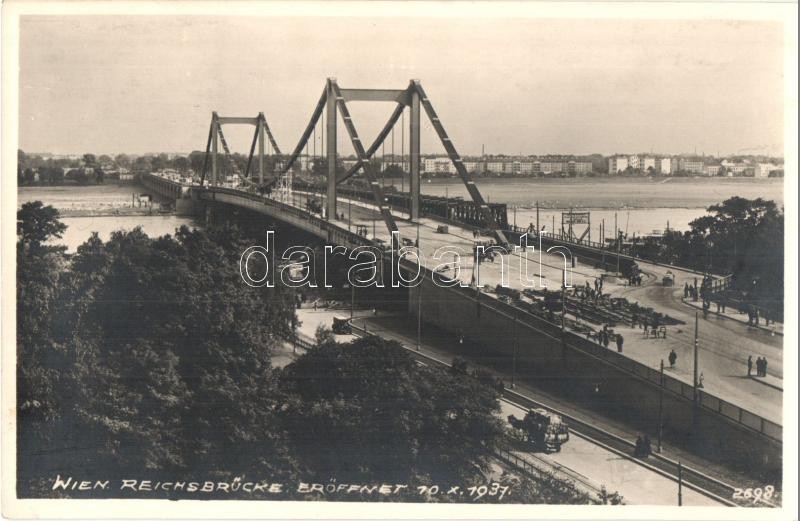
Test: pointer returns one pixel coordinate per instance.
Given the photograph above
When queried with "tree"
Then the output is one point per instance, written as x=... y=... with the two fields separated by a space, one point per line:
x=143 y=164
x=104 y=159
x=36 y=224
x=39 y=356
x=365 y=410
x=89 y=160
x=99 y=175
x=29 y=176
x=122 y=161
x=392 y=171
x=181 y=164
x=324 y=335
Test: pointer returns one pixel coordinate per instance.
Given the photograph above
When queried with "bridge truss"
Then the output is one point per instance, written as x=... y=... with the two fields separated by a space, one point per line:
x=334 y=102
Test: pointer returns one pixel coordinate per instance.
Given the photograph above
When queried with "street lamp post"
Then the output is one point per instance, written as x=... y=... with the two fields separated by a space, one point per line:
x=419 y=303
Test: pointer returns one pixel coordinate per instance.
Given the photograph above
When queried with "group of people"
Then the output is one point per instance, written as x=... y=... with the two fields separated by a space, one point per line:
x=691 y=291
x=591 y=294
x=604 y=338
x=753 y=316
x=760 y=363
x=643 y=448
x=635 y=280
x=647 y=322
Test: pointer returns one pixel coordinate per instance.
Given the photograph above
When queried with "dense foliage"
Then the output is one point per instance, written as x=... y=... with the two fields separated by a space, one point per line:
x=150 y=356
x=741 y=237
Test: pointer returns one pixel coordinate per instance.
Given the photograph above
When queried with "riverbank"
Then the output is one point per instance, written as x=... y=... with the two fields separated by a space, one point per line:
x=109 y=212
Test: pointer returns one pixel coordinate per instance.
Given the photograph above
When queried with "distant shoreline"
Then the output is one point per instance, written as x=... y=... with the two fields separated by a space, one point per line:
x=121 y=212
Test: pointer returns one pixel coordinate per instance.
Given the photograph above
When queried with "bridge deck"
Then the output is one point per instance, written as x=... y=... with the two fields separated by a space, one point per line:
x=724 y=344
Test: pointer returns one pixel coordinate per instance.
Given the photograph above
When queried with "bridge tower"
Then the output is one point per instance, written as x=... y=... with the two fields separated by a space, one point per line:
x=216 y=137
x=333 y=102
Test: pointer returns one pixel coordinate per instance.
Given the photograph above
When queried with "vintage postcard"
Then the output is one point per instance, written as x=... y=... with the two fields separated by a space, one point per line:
x=399 y=260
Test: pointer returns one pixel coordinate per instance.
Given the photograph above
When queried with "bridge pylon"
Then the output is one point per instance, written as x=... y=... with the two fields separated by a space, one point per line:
x=333 y=102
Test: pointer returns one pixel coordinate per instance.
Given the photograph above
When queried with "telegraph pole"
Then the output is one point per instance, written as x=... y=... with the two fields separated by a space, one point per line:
x=563 y=300
x=618 y=236
x=661 y=407
x=680 y=484
x=695 y=401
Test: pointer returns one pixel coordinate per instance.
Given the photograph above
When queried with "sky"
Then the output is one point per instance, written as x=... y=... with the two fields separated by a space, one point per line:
x=141 y=84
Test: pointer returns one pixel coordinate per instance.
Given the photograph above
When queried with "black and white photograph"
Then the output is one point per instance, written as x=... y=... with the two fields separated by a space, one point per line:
x=495 y=260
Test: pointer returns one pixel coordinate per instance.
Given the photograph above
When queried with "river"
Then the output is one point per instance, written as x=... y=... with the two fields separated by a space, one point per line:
x=99 y=197
x=639 y=205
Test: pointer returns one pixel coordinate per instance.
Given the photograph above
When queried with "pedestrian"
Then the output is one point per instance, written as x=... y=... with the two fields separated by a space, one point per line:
x=672 y=358
x=686 y=290
x=646 y=325
x=606 y=339
x=759 y=366
x=620 y=340
x=647 y=448
x=700 y=381
x=750 y=365
x=717 y=303
x=639 y=449
x=764 y=367
x=723 y=305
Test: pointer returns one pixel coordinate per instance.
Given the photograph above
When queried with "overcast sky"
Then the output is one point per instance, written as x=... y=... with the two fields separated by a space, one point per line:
x=149 y=84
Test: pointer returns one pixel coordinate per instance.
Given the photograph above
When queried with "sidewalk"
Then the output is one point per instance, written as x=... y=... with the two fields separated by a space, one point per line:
x=775 y=329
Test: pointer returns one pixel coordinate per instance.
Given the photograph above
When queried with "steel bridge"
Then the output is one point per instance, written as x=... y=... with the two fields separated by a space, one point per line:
x=332 y=104
x=453 y=309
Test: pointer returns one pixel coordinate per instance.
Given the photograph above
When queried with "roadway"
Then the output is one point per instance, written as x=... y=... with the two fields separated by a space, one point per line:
x=588 y=464
x=724 y=344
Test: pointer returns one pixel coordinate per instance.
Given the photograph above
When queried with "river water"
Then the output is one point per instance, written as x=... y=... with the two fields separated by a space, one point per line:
x=100 y=197
x=639 y=205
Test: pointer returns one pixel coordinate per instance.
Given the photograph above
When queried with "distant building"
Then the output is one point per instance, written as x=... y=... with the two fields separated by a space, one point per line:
x=617 y=164
x=495 y=167
x=664 y=165
x=647 y=163
x=739 y=169
x=579 y=167
x=692 y=165
x=763 y=169
x=438 y=165
x=712 y=169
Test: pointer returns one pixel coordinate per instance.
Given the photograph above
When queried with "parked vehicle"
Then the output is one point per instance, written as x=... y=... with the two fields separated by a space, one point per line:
x=544 y=430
